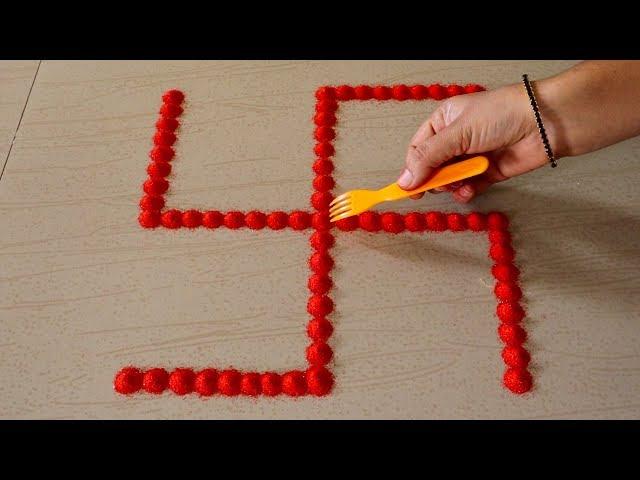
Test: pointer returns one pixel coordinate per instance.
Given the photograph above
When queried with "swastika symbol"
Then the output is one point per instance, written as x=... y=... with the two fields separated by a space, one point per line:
x=317 y=379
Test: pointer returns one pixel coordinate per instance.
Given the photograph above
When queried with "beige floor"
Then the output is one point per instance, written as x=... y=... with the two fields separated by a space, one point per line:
x=84 y=290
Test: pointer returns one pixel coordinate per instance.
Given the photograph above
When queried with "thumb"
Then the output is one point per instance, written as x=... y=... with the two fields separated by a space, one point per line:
x=431 y=153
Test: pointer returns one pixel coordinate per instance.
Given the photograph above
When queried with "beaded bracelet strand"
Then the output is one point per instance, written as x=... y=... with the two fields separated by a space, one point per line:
x=536 y=112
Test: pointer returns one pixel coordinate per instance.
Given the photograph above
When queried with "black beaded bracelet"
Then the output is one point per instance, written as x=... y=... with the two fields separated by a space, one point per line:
x=536 y=112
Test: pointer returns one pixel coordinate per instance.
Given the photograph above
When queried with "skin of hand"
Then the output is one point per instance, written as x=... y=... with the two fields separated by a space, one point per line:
x=590 y=106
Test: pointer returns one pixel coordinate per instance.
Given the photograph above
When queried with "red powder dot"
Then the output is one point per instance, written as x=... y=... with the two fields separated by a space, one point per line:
x=345 y=92
x=319 y=306
x=500 y=237
x=319 y=284
x=191 y=218
x=327 y=105
x=167 y=124
x=155 y=186
x=507 y=292
x=155 y=380
x=181 y=381
x=322 y=166
x=299 y=220
x=325 y=93
x=327 y=119
x=164 y=138
x=400 y=92
x=436 y=91
x=512 y=334
x=234 y=220
x=149 y=218
x=473 y=88
x=453 y=90
x=206 y=383
x=436 y=221
x=294 y=383
x=501 y=253
x=321 y=200
x=497 y=221
x=518 y=380
x=172 y=219
x=159 y=169
x=381 y=93
x=324 y=149
x=516 y=356
x=229 y=382
x=152 y=202
x=319 y=353
x=173 y=96
x=456 y=222
x=415 y=222
x=250 y=384
x=162 y=154
x=510 y=312
x=324 y=134
x=348 y=224
x=505 y=272
x=128 y=380
x=320 y=221
x=419 y=92
x=271 y=384
x=256 y=220
x=319 y=381
x=321 y=263
x=277 y=220
x=369 y=221
x=477 y=222
x=171 y=110
x=212 y=219
x=322 y=241
x=392 y=222
x=364 y=92
x=319 y=329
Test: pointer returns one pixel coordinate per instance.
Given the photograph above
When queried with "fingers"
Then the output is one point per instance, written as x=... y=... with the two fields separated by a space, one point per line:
x=432 y=152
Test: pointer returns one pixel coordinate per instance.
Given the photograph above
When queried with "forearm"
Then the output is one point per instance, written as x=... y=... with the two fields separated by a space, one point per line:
x=590 y=106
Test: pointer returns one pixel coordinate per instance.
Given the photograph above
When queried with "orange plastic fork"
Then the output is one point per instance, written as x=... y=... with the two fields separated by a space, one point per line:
x=357 y=201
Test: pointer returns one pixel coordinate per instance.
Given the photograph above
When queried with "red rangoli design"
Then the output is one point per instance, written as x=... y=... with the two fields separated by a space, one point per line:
x=317 y=379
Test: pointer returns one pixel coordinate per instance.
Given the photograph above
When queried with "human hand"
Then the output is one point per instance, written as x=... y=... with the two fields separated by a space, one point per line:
x=498 y=123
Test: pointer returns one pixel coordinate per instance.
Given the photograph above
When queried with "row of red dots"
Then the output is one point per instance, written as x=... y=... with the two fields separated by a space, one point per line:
x=392 y=222
x=255 y=220
x=316 y=380
x=395 y=92
x=161 y=155
x=321 y=263
x=516 y=377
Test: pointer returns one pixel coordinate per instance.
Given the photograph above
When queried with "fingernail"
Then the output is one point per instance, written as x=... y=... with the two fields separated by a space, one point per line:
x=405 y=179
x=466 y=191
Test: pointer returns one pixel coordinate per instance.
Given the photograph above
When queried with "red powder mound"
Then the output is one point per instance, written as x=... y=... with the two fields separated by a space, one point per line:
x=322 y=241
x=181 y=381
x=155 y=186
x=162 y=154
x=256 y=220
x=477 y=222
x=250 y=384
x=167 y=124
x=512 y=334
x=324 y=134
x=319 y=306
x=277 y=220
x=294 y=383
x=456 y=222
x=128 y=380
x=327 y=119
x=321 y=200
x=319 y=329
x=321 y=263
x=324 y=149
x=323 y=93
x=419 y=92
x=436 y=91
x=319 y=284
x=319 y=381
x=234 y=220
x=155 y=380
x=164 y=138
x=172 y=219
x=171 y=110
x=323 y=183
x=502 y=253
x=159 y=169
x=319 y=353
x=370 y=221
x=497 y=221
x=501 y=237
x=400 y=92
x=299 y=220
x=436 y=221
x=229 y=382
x=271 y=384
x=149 y=218
x=345 y=92
x=322 y=166
x=415 y=222
x=508 y=292
x=381 y=93
x=173 y=96
x=392 y=222
x=516 y=356
x=453 y=90
x=191 y=218
x=505 y=272
x=348 y=224
x=206 y=383
x=518 y=380
x=510 y=312
x=212 y=219
x=364 y=92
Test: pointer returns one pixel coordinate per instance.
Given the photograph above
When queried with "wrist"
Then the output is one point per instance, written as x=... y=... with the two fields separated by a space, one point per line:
x=550 y=96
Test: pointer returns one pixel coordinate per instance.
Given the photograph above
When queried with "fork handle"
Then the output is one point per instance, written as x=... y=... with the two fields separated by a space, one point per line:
x=443 y=176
